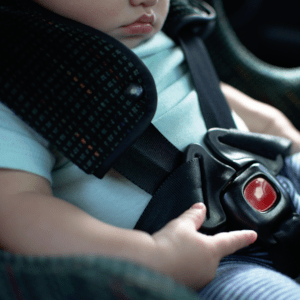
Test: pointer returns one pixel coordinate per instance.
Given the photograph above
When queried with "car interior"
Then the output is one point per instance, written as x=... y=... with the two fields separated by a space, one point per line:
x=268 y=29
x=254 y=47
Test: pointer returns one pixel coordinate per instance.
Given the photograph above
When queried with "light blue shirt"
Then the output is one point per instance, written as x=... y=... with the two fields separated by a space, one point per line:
x=113 y=199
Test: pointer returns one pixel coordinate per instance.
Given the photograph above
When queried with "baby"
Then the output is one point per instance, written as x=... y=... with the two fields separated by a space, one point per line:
x=77 y=214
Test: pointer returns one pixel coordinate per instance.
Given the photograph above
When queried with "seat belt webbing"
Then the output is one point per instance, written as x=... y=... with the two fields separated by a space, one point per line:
x=152 y=158
x=149 y=161
x=215 y=110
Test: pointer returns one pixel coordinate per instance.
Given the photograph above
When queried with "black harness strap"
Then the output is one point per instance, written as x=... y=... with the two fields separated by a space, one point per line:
x=285 y=253
x=159 y=168
x=215 y=109
x=149 y=161
x=153 y=154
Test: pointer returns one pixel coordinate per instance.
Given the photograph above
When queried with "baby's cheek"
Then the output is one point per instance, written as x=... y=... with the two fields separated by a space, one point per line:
x=104 y=21
x=112 y=12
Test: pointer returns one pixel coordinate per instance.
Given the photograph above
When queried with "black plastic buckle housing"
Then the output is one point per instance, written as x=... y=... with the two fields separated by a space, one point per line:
x=215 y=177
x=226 y=171
x=242 y=215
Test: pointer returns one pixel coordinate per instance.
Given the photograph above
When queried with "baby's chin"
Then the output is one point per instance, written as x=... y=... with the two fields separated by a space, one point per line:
x=134 y=41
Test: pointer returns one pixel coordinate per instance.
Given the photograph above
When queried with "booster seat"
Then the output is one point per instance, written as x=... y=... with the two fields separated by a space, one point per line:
x=119 y=279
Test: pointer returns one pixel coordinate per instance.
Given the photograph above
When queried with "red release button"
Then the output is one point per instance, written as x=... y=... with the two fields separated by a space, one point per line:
x=260 y=194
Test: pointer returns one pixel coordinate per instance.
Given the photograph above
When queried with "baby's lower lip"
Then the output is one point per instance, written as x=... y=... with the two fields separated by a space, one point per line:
x=138 y=28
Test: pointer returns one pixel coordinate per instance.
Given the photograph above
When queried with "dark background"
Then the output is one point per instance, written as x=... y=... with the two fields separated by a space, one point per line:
x=270 y=29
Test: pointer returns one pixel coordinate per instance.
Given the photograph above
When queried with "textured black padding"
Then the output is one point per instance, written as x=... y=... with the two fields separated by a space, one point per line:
x=87 y=93
x=84 y=91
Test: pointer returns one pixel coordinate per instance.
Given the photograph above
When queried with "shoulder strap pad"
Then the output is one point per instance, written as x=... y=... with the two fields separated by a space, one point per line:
x=85 y=92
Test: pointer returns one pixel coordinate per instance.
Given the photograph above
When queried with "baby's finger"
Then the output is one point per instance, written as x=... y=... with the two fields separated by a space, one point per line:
x=227 y=243
x=194 y=216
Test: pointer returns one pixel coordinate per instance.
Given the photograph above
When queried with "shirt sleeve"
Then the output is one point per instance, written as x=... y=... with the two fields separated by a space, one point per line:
x=21 y=148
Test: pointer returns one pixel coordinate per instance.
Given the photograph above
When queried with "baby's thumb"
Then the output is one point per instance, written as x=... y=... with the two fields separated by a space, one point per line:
x=194 y=216
x=229 y=242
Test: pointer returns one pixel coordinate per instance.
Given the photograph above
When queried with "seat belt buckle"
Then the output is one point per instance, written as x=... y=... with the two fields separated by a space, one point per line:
x=255 y=200
x=239 y=189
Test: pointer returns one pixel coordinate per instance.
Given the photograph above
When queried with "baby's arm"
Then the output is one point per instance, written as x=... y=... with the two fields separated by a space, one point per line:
x=33 y=222
x=260 y=117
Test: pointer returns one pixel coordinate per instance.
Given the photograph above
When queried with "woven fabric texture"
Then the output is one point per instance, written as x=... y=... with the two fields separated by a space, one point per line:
x=89 y=278
x=85 y=92
x=72 y=86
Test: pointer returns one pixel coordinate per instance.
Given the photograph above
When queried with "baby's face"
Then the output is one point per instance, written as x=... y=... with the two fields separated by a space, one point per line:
x=129 y=21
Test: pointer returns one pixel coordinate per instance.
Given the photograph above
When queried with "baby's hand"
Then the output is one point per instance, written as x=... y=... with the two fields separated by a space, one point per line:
x=190 y=257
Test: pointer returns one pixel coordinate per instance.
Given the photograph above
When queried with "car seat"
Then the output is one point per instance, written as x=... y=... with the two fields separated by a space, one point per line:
x=104 y=278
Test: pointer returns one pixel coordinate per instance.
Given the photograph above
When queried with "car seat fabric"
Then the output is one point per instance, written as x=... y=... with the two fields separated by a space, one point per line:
x=83 y=277
x=9 y=271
